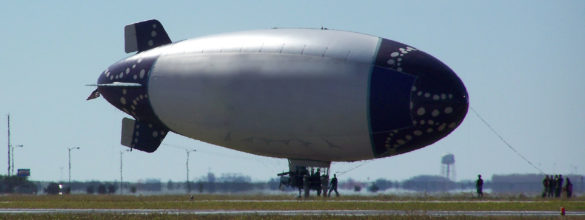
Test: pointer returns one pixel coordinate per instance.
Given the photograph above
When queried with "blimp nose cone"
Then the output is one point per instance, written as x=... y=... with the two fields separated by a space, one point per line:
x=438 y=100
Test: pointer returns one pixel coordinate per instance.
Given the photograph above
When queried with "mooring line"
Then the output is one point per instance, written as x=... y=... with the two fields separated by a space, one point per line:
x=504 y=140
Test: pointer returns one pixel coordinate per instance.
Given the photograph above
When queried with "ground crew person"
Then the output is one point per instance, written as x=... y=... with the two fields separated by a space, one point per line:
x=333 y=186
x=479 y=186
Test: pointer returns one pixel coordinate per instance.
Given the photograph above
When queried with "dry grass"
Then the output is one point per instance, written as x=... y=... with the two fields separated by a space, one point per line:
x=286 y=202
x=280 y=202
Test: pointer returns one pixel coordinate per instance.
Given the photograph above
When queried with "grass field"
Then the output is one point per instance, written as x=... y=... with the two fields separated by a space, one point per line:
x=278 y=202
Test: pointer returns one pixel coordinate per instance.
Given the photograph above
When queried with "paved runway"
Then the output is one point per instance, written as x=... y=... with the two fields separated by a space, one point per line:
x=288 y=212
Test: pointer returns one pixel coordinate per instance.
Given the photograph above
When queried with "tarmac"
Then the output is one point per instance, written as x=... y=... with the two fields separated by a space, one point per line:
x=288 y=212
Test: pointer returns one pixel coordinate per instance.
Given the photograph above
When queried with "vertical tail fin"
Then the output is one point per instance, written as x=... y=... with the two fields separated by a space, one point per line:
x=145 y=35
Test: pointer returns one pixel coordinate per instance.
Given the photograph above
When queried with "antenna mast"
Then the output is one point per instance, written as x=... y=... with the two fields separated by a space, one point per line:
x=8 y=144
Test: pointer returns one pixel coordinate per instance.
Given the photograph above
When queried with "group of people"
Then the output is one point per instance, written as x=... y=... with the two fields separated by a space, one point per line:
x=315 y=176
x=305 y=180
x=553 y=186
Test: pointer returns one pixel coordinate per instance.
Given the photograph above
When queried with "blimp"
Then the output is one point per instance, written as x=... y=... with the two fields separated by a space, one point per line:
x=312 y=96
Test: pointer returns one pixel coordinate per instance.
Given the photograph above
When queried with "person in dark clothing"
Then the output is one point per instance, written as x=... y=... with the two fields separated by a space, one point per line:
x=559 y=186
x=316 y=181
x=552 y=181
x=324 y=182
x=333 y=186
x=479 y=186
x=545 y=183
x=569 y=188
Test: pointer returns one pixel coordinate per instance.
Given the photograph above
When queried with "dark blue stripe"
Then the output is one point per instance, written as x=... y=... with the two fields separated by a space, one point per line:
x=390 y=99
x=389 y=104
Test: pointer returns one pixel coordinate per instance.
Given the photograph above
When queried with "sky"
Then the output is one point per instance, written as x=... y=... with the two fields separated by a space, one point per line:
x=523 y=63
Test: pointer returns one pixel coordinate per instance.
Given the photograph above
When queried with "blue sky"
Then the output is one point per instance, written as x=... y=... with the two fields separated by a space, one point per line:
x=522 y=62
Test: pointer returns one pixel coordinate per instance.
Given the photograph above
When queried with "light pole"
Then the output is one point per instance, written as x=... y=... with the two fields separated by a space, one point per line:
x=12 y=155
x=69 y=153
x=187 y=165
x=121 y=176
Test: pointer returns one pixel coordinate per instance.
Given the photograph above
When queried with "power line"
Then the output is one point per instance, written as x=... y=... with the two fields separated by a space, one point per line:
x=504 y=140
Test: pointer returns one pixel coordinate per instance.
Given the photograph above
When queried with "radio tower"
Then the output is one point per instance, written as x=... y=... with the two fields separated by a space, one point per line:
x=8 y=144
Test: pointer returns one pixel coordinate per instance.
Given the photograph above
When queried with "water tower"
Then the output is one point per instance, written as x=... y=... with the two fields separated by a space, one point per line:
x=448 y=166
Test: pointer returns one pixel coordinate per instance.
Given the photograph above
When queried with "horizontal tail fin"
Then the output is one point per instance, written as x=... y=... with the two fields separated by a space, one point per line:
x=117 y=84
x=141 y=135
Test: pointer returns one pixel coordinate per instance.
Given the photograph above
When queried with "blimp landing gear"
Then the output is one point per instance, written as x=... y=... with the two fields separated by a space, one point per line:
x=306 y=175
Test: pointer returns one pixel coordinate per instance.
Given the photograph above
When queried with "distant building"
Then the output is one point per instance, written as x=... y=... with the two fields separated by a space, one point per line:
x=429 y=183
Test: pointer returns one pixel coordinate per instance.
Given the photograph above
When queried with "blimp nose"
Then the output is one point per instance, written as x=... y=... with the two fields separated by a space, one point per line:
x=438 y=100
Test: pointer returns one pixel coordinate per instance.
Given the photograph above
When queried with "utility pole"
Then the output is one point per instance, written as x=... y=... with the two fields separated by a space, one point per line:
x=121 y=176
x=187 y=165
x=11 y=151
x=69 y=153
x=8 y=145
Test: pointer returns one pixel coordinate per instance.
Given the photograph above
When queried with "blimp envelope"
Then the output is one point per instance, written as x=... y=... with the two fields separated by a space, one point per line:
x=311 y=94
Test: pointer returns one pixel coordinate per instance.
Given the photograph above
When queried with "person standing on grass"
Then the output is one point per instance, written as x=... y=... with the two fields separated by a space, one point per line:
x=479 y=186
x=333 y=186
x=552 y=185
x=559 y=186
x=545 y=183
x=569 y=188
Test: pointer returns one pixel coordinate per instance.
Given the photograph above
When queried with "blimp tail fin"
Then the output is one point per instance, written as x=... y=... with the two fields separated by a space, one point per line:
x=141 y=135
x=144 y=35
x=116 y=84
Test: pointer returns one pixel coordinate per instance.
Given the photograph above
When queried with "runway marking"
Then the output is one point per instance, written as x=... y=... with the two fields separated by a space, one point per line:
x=288 y=212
